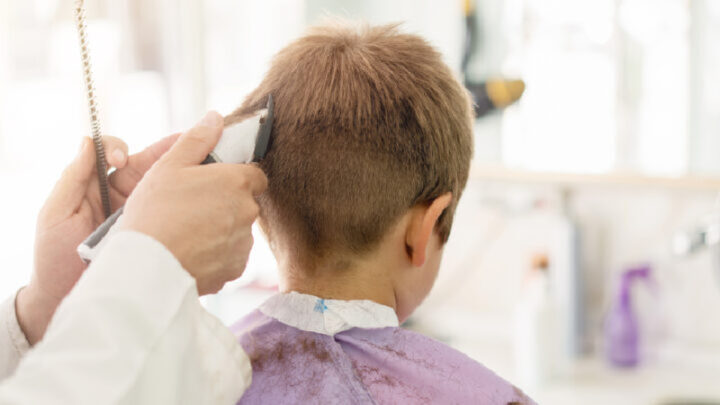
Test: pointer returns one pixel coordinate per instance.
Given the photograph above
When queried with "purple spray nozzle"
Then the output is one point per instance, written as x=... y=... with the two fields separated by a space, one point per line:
x=643 y=273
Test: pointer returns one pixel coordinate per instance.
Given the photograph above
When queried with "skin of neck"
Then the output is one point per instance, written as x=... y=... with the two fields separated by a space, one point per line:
x=399 y=273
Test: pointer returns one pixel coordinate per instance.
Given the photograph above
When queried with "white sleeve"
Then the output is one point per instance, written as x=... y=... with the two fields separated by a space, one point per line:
x=132 y=332
x=13 y=344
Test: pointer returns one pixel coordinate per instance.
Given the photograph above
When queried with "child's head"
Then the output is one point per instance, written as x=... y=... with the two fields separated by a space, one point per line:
x=370 y=127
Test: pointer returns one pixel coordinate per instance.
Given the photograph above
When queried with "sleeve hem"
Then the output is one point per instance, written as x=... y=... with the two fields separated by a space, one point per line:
x=17 y=336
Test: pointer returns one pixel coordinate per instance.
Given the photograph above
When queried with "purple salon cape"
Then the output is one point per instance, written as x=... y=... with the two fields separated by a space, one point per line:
x=307 y=350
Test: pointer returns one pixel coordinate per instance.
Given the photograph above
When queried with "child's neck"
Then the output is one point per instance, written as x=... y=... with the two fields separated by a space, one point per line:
x=366 y=280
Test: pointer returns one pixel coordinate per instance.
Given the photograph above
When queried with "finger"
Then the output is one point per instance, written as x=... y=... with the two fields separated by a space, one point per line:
x=124 y=180
x=194 y=145
x=117 y=199
x=70 y=190
x=246 y=176
x=143 y=161
x=255 y=179
x=116 y=151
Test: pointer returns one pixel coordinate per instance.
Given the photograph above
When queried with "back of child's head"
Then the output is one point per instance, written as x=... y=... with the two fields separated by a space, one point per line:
x=369 y=122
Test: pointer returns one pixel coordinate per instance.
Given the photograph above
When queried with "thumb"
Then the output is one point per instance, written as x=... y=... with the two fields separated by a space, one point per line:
x=194 y=145
x=124 y=180
x=70 y=190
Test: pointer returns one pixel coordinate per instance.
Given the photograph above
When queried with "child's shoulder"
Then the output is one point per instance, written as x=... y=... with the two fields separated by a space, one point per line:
x=396 y=359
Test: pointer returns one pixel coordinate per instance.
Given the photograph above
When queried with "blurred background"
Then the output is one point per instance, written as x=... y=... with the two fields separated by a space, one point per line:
x=583 y=263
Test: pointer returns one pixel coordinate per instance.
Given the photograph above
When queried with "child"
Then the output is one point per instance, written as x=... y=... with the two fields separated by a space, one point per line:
x=370 y=153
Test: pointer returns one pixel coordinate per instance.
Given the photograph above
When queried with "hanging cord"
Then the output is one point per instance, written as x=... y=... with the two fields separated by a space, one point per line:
x=101 y=163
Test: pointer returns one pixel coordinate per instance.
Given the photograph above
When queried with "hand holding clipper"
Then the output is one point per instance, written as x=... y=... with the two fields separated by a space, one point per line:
x=244 y=142
x=202 y=214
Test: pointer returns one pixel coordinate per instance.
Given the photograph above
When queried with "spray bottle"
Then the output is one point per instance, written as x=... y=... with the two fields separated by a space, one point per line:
x=622 y=338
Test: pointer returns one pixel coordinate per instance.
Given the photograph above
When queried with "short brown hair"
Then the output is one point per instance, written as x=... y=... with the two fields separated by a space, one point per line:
x=368 y=123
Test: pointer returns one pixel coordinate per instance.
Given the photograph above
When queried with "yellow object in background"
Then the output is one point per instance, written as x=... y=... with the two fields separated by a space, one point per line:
x=503 y=92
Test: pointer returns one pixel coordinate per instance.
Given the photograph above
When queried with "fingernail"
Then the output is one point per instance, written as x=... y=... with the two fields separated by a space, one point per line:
x=118 y=155
x=212 y=119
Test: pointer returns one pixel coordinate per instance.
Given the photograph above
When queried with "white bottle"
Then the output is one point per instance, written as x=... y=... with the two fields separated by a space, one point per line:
x=537 y=338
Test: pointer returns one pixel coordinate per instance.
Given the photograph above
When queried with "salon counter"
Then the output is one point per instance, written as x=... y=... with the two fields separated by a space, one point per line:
x=593 y=382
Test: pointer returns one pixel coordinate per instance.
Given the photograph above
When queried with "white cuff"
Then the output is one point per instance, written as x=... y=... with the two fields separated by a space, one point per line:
x=13 y=343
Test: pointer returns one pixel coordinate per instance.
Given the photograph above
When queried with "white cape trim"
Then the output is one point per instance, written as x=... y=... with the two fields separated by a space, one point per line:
x=326 y=316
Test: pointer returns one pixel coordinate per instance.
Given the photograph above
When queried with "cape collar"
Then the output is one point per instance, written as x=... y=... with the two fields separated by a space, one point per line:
x=327 y=316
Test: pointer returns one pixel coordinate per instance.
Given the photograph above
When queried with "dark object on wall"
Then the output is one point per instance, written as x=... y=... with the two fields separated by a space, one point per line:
x=489 y=95
x=494 y=94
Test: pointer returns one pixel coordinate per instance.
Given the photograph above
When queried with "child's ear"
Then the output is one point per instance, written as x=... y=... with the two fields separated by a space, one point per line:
x=422 y=224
